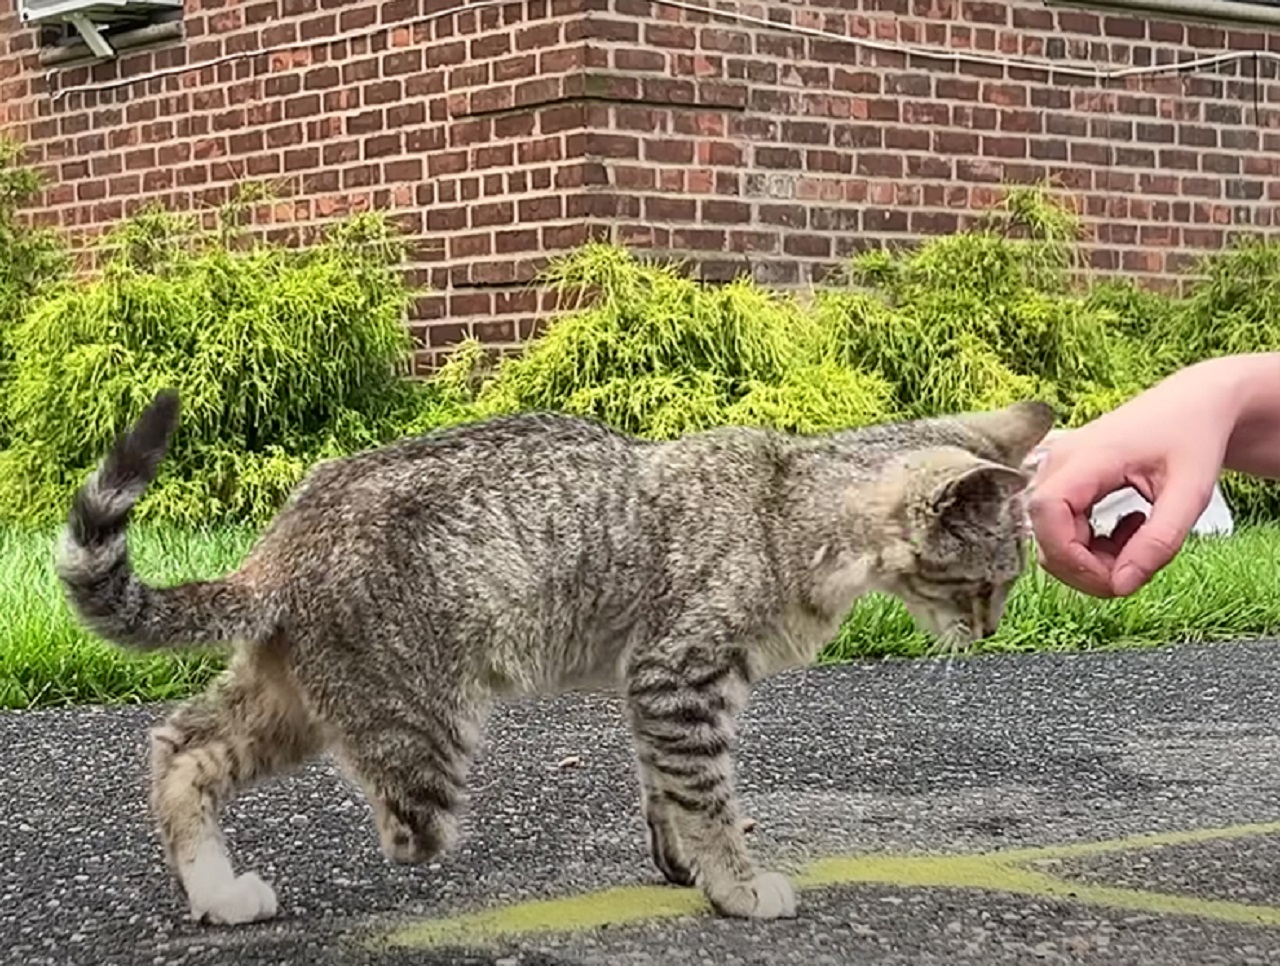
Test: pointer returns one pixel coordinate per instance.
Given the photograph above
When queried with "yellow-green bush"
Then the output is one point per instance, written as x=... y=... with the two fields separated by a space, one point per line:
x=969 y=321
x=650 y=351
x=1234 y=308
x=281 y=357
x=287 y=356
x=32 y=259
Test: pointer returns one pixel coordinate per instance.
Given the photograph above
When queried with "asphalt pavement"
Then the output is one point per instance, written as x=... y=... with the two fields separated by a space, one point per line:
x=1110 y=808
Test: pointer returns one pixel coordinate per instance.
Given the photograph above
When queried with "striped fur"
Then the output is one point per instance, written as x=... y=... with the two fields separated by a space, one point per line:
x=403 y=590
x=93 y=556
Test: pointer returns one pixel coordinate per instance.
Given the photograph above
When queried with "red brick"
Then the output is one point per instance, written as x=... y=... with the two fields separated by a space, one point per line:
x=540 y=35
x=669 y=35
x=405 y=115
x=535 y=132
x=490 y=47
x=879 y=165
x=449 y=162
x=753 y=241
x=540 y=151
x=382 y=146
x=1079 y=22
x=490 y=100
x=604 y=145
x=1132 y=28
x=718 y=212
x=640 y=61
x=1004 y=147
x=446 y=55
x=492 y=214
x=778 y=158
x=548 y=208
x=668 y=151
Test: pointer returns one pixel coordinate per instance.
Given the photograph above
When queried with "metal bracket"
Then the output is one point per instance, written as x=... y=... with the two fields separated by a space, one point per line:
x=91 y=34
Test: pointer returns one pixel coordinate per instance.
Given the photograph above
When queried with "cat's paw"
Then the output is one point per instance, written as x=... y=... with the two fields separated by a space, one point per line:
x=408 y=846
x=667 y=855
x=677 y=874
x=245 y=899
x=768 y=896
x=405 y=847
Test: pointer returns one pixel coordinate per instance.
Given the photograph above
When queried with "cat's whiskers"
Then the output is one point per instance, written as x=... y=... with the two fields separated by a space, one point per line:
x=939 y=653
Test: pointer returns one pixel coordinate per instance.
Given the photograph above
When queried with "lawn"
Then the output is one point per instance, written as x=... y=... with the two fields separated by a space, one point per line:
x=1217 y=589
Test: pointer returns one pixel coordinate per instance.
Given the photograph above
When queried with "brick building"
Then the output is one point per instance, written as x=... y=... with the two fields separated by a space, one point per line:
x=769 y=137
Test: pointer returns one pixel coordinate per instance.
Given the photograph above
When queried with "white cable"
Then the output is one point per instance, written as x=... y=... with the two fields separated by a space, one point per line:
x=279 y=48
x=931 y=53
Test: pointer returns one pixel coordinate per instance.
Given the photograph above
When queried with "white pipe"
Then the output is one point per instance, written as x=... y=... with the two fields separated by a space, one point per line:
x=1227 y=11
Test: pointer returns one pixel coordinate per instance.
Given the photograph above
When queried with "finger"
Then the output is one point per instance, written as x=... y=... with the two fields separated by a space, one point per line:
x=1059 y=509
x=1158 y=540
x=1062 y=539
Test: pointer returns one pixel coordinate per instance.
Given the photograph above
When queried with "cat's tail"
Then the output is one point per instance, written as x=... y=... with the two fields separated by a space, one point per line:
x=93 y=556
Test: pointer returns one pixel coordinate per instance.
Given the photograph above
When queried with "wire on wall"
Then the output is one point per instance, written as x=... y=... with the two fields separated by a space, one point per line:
x=1100 y=74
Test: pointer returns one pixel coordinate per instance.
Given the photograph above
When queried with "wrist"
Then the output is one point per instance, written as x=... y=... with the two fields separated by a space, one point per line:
x=1241 y=394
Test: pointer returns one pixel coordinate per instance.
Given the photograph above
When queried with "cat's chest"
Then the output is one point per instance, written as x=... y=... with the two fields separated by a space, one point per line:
x=803 y=629
x=794 y=642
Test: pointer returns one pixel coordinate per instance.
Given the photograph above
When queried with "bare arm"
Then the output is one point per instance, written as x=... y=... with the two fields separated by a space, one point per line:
x=1170 y=443
x=1254 y=444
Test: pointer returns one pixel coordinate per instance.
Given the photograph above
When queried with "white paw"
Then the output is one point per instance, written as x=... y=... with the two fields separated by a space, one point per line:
x=768 y=896
x=245 y=899
x=775 y=898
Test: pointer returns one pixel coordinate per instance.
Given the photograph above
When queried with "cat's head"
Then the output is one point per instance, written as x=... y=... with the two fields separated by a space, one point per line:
x=959 y=542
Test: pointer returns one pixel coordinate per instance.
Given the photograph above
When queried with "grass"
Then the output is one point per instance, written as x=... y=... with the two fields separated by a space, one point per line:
x=47 y=659
x=1217 y=589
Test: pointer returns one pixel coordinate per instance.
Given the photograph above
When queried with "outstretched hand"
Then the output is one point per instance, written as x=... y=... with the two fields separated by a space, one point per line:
x=1168 y=444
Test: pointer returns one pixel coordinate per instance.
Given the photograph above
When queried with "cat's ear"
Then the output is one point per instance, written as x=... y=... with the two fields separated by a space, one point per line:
x=976 y=492
x=1014 y=432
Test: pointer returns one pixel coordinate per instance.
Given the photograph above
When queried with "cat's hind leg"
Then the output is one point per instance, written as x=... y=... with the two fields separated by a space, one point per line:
x=249 y=725
x=413 y=764
x=683 y=696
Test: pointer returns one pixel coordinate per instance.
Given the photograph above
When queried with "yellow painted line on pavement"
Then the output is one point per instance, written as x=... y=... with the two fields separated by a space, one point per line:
x=619 y=906
x=1001 y=871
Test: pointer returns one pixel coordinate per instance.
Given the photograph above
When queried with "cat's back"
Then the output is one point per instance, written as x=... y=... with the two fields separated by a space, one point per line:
x=537 y=456
x=518 y=481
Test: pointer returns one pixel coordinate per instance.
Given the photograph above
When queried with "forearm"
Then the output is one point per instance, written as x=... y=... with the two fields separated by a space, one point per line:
x=1248 y=389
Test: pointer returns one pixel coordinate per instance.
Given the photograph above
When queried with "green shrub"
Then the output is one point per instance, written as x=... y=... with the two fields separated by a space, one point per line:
x=1234 y=308
x=646 y=349
x=281 y=357
x=31 y=258
x=285 y=356
x=982 y=318
x=970 y=321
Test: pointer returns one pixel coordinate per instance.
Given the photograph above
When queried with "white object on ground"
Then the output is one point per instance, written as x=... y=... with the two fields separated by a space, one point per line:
x=1112 y=508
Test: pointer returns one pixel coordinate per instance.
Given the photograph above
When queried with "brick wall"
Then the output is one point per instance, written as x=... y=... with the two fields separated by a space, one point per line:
x=767 y=144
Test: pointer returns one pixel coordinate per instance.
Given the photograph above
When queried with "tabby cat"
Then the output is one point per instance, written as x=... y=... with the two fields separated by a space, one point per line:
x=402 y=590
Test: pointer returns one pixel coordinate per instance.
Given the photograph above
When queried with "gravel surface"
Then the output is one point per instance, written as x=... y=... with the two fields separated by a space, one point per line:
x=987 y=754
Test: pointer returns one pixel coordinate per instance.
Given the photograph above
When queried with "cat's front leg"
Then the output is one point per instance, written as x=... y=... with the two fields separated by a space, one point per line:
x=665 y=848
x=683 y=696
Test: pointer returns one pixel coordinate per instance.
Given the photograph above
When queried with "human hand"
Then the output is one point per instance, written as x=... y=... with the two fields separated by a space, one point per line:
x=1168 y=444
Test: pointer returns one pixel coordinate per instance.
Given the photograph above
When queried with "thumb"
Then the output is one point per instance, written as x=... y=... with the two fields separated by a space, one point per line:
x=1158 y=540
